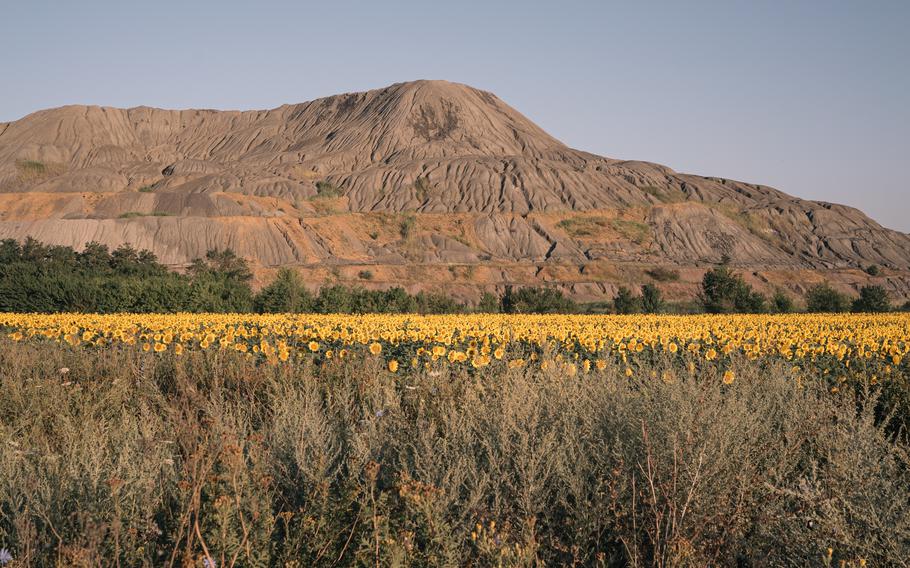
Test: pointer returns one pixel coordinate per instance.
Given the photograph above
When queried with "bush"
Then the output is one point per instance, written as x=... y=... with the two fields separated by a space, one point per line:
x=662 y=274
x=365 y=275
x=724 y=291
x=144 y=459
x=781 y=303
x=652 y=301
x=326 y=190
x=433 y=303
x=407 y=227
x=40 y=278
x=872 y=299
x=285 y=294
x=536 y=301
x=625 y=302
x=822 y=298
x=489 y=304
x=872 y=270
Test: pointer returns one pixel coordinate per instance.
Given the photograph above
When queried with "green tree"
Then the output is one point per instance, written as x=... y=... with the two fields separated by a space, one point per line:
x=432 y=303
x=536 y=301
x=781 y=302
x=223 y=263
x=285 y=294
x=724 y=291
x=95 y=258
x=872 y=299
x=652 y=301
x=822 y=298
x=489 y=304
x=625 y=302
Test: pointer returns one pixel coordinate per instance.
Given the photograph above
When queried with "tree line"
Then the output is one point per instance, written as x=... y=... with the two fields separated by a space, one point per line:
x=723 y=291
x=35 y=277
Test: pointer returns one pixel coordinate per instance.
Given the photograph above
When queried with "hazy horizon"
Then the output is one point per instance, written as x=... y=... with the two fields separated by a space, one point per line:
x=807 y=98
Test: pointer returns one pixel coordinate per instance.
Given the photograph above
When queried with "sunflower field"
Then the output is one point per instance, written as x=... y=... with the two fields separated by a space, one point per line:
x=836 y=347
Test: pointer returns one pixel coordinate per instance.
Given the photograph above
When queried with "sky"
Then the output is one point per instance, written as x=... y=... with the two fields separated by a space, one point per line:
x=812 y=98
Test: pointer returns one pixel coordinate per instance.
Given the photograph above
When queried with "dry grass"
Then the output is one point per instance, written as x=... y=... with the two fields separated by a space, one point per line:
x=31 y=170
x=134 y=459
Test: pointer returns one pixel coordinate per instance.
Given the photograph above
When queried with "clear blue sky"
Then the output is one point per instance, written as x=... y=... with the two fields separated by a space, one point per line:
x=810 y=97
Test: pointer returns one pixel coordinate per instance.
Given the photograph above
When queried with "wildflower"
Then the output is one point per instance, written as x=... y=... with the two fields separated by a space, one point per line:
x=209 y=563
x=729 y=377
x=159 y=347
x=628 y=372
x=313 y=346
x=63 y=370
x=711 y=354
x=178 y=349
x=375 y=348
x=673 y=348
x=393 y=365
x=5 y=557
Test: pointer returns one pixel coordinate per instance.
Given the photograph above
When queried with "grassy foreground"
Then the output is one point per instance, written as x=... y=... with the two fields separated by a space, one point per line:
x=119 y=457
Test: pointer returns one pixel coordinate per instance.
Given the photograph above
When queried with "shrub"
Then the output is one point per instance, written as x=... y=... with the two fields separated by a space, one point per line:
x=422 y=188
x=285 y=294
x=488 y=304
x=326 y=190
x=407 y=227
x=822 y=298
x=161 y=460
x=781 y=303
x=536 y=301
x=724 y=291
x=365 y=275
x=625 y=302
x=872 y=299
x=872 y=270
x=662 y=274
x=433 y=303
x=584 y=226
x=652 y=301
x=635 y=231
